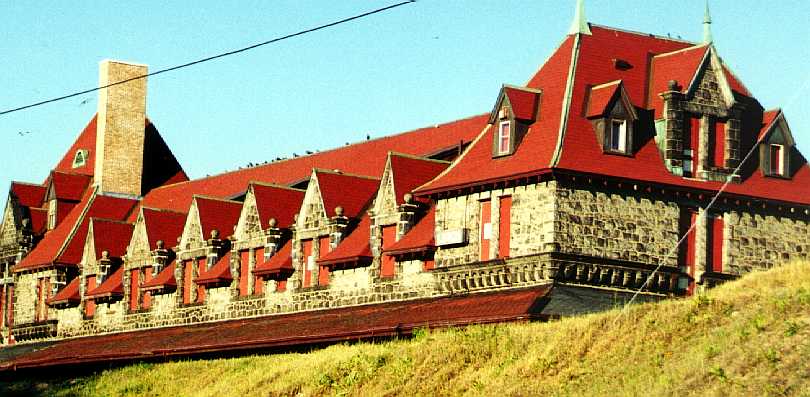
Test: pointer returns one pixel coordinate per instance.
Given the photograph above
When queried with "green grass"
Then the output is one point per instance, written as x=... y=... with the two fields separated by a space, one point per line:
x=749 y=337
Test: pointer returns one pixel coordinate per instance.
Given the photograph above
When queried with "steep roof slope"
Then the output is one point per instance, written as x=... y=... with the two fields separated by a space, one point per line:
x=277 y=202
x=220 y=215
x=366 y=158
x=163 y=225
x=411 y=172
x=111 y=236
x=352 y=192
x=28 y=195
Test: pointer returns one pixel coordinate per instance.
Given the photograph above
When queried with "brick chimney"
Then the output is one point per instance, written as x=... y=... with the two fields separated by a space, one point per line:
x=120 y=128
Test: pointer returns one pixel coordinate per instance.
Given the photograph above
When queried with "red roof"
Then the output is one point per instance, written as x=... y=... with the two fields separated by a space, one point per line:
x=680 y=65
x=767 y=120
x=39 y=220
x=112 y=286
x=421 y=142
x=65 y=243
x=280 y=202
x=279 y=263
x=163 y=279
x=163 y=225
x=69 y=186
x=524 y=103
x=354 y=248
x=411 y=172
x=419 y=238
x=216 y=214
x=352 y=192
x=28 y=195
x=300 y=329
x=600 y=98
x=85 y=141
x=68 y=294
x=220 y=272
x=111 y=236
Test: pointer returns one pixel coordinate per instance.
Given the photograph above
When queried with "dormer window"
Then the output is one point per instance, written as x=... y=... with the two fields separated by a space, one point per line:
x=51 y=214
x=504 y=137
x=80 y=159
x=617 y=137
x=777 y=163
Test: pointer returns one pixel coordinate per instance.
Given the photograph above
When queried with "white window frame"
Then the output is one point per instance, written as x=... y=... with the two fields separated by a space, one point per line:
x=781 y=170
x=52 y=215
x=621 y=145
x=501 y=135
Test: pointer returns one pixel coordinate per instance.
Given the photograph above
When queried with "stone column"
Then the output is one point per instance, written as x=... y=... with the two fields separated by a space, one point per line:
x=673 y=117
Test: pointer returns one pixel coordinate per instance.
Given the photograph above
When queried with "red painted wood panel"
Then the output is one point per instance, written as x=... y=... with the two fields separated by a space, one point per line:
x=389 y=237
x=258 y=282
x=134 y=278
x=281 y=286
x=718 y=152
x=486 y=217
x=146 y=299
x=202 y=266
x=188 y=271
x=715 y=243
x=244 y=272
x=323 y=272
x=90 y=305
x=504 y=226
x=305 y=261
x=428 y=264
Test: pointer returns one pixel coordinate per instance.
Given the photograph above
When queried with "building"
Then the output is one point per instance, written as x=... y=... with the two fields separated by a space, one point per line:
x=596 y=180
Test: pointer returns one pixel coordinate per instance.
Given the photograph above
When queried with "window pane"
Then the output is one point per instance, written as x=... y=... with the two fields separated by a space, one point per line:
x=618 y=136
x=503 y=137
x=776 y=159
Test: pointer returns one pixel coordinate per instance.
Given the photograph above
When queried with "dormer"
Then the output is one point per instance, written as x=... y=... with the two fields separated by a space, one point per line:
x=776 y=145
x=613 y=117
x=516 y=109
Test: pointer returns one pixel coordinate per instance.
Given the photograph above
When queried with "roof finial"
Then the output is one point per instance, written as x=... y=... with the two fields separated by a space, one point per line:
x=707 y=25
x=580 y=24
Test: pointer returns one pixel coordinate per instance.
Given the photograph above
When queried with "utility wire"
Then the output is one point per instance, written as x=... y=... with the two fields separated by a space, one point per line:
x=211 y=58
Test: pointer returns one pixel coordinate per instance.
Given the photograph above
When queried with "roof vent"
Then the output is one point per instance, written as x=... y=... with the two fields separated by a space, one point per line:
x=621 y=64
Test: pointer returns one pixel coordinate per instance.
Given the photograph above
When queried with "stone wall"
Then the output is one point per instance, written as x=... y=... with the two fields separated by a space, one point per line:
x=756 y=241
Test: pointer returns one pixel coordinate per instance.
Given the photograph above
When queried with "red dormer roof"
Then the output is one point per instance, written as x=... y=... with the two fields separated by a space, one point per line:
x=419 y=238
x=365 y=158
x=164 y=279
x=278 y=264
x=111 y=236
x=68 y=186
x=67 y=295
x=280 y=202
x=681 y=65
x=600 y=98
x=39 y=220
x=767 y=121
x=216 y=214
x=102 y=207
x=219 y=273
x=410 y=172
x=352 y=192
x=112 y=286
x=354 y=248
x=163 y=225
x=28 y=195
x=524 y=102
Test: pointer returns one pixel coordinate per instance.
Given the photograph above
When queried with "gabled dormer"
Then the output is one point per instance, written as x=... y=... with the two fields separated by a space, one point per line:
x=613 y=116
x=776 y=145
x=263 y=203
x=516 y=109
x=153 y=227
x=207 y=215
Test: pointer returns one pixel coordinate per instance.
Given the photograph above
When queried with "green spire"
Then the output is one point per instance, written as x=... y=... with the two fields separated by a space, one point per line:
x=707 y=25
x=580 y=25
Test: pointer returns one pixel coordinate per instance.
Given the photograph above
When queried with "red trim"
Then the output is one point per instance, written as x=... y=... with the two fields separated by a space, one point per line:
x=188 y=272
x=244 y=272
x=389 y=236
x=486 y=218
x=715 y=243
x=134 y=280
x=323 y=250
x=504 y=233
x=202 y=266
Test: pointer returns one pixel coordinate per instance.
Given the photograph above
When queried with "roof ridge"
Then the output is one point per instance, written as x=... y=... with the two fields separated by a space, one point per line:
x=609 y=83
x=212 y=198
x=28 y=184
x=163 y=210
x=682 y=50
x=522 y=88
x=339 y=172
x=458 y=159
x=415 y=157
x=323 y=152
x=106 y=220
x=635 y=32
x=275 y=185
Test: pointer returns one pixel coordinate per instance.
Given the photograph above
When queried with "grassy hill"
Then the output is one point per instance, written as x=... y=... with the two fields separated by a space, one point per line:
x=749 y=337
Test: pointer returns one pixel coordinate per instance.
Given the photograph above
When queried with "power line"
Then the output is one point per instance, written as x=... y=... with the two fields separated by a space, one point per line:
x=211 y=58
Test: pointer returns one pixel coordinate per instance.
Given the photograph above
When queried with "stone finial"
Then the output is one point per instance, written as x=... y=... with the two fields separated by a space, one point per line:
x=273 y=223
x=105 y=254
x=408 y=198
x=295 y=218
x=672 y=85
x=160 y=244
x=339 y=210
x=214 y=234
x=707 y=25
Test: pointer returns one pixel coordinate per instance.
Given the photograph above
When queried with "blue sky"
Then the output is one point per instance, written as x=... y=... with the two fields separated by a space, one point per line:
x=425 y=63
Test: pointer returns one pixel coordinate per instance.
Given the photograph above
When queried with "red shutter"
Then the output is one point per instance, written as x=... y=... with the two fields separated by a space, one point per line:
x=323 y=249
x=188 y=271
x=504 y=226
x=486 y=217
x=134 y=277
x=389 y=236
x=202 y=266
x=90 y=305
x=307 y=251
x=146 y=299
x=10 y=306
x=694 y=142
x=244 y=272
x=258 y=282
x=715 y=243
x=281 y=286
x=2 y=305
x=719 y=144
x=428 y=264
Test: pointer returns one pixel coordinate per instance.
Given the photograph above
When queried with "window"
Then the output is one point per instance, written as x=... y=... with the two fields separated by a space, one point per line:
x=617 y=136
x=504 y=137
x=777 y=160
x=52 y=215
x=80 y=159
